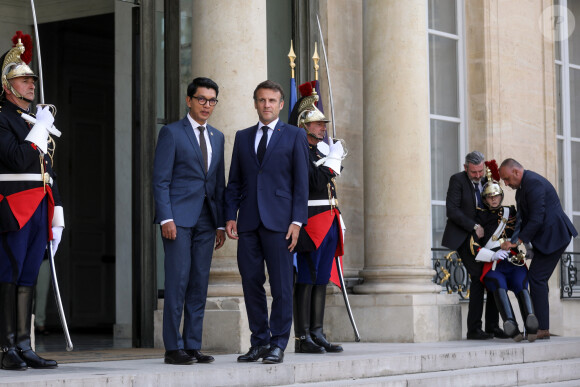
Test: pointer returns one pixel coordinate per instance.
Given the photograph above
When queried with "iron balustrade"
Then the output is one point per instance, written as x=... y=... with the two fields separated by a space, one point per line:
x=569 y=287
x=450 y=272
x=453 y=278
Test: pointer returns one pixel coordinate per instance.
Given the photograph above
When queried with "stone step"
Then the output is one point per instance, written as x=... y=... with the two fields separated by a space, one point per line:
x=465 y=363
x=558 y=373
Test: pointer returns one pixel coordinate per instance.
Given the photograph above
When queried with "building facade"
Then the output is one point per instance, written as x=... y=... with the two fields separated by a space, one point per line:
x=416 y=85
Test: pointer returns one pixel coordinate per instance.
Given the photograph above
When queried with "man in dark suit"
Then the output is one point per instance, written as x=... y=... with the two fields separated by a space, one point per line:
x=545 y=229
x=188 y=187
x=463 y=197
x=267 y=194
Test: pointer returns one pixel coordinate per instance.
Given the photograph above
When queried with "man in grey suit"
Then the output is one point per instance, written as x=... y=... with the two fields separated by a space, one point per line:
x=188 y=187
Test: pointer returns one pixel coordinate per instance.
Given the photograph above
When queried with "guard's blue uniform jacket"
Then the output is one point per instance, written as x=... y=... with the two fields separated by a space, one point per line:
x=26 y=203
x=321 y=239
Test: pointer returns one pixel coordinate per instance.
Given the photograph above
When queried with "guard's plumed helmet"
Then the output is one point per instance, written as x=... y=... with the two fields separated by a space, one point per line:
x=15 y=61
x=305 y=110
x=492 y=187
x=308 y=112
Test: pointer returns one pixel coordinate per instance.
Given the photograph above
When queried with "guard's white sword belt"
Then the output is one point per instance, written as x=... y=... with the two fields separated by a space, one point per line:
x=323 y=202
x=26 y=177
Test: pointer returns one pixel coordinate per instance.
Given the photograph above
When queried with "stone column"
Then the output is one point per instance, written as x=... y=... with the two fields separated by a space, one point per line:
x=229 y=45
x=397 y=269
x=238 y=66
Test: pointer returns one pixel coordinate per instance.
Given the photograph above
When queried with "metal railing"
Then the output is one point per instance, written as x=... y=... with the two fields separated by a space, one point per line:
x=450 y=272
x=453 y=278
x=569 y=287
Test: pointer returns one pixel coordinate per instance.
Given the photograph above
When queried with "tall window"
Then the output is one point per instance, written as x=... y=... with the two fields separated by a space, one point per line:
x=567 y=54
x=185 y=78
x=446 y=93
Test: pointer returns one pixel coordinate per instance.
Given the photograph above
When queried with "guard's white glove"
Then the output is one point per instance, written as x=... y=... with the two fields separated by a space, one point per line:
x=323 y=147
x=500 y=255
x=529 y=250
x=56 y=237
x=44 y=116
x=336 y=150
x=334 y=158
x=38 y=135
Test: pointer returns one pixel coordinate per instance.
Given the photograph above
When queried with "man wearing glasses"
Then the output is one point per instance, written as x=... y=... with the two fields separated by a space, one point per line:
x=188 y=188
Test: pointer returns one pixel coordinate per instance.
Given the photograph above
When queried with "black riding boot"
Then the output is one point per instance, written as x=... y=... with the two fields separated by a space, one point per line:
x=24 y=307
x=504 y=306
x=10 y=360
x=530 y=319
x=303 y=343
x=317 y=319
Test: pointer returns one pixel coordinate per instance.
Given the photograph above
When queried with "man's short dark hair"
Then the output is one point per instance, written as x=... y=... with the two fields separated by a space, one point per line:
x=510 y=163
x=270 y=85
x=201 y=82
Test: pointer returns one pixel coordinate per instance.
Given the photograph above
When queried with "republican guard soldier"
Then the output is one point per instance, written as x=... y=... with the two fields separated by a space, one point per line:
x=321 y=240
x=31 y=212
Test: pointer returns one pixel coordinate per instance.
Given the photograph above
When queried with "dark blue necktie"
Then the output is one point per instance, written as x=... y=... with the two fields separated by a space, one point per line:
x=262 y=145
x=478 y=195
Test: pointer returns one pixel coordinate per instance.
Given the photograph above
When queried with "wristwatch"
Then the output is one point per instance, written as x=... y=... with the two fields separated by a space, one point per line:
x=476 y=227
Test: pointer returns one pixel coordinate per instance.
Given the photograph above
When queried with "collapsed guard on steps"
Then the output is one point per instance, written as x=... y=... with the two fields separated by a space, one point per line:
x=503 y=270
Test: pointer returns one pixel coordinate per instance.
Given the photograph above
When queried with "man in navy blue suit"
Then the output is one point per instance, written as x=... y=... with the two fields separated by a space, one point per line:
x=266 y=204
x=545 y=230
x=188 y=187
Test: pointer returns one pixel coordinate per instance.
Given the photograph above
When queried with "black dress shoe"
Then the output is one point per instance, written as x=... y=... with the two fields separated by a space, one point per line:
x=497 y=332
x=275 y=356
x=479 y=334
x=35 y=361
x=11 y=360
x=200 y=357
x=255 y=353
x=178 y=357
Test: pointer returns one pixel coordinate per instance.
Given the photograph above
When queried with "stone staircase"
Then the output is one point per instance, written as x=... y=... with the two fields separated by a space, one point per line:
x=454 y=363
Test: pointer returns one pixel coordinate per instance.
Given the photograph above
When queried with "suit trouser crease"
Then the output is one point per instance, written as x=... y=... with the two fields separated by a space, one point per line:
x=540 y=271
x=187 y=265
x=254 y=248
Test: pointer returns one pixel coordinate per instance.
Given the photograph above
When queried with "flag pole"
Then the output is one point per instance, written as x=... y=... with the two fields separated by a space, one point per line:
x=316 y=59
x=293 y=98
x=292 y=57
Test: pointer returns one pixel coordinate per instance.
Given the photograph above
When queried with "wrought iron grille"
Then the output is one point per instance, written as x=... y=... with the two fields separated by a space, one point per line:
x=569 y=287
x=450 y=272
x=453 y=278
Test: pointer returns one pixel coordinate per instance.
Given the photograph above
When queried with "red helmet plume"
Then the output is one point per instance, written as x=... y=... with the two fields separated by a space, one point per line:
x=492 y=165
x=27 y=42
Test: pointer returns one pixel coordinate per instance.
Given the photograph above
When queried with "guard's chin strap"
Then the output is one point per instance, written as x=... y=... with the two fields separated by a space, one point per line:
x=22 y=98
x=313 y=135
x=17 y=94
